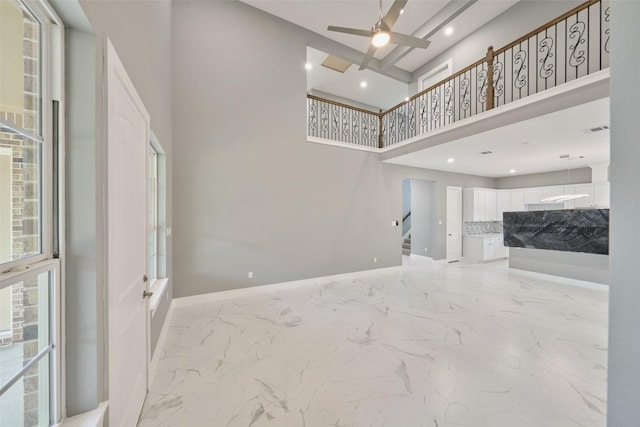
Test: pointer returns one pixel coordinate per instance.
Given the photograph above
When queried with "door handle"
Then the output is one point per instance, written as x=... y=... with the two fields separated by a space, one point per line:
x=145 y=278
x=146 y=294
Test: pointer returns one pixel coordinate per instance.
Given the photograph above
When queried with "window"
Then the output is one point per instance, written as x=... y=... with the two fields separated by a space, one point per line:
x=153 y=214
x=30 y=392
x=436 y=75
x=157 y=222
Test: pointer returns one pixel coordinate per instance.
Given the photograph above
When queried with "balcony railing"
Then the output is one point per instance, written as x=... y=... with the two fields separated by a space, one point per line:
x=571 y=46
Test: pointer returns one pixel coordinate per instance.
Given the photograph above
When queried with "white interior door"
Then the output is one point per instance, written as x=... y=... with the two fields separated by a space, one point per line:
x=127 y=139
x=454 y=224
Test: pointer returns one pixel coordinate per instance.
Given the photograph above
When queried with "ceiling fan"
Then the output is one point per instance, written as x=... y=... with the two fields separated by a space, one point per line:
x=381 y=34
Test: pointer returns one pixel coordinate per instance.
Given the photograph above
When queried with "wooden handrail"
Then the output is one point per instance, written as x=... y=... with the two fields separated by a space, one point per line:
x=549 y=24
x=339 y=104
x=543 y=27
x=441 y=82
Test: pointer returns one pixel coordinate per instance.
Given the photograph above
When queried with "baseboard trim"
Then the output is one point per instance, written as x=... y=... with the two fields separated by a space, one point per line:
x=274 y=287
x=559 y=279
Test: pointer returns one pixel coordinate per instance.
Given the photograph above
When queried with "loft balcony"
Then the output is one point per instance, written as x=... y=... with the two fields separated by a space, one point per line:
x=559 y=65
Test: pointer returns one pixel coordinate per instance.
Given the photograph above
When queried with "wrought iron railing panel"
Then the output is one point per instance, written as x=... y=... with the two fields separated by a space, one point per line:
x=341 y=123
x=570 y=47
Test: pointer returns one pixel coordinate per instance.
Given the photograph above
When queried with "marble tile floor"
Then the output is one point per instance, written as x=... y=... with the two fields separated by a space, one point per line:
x=429 y=344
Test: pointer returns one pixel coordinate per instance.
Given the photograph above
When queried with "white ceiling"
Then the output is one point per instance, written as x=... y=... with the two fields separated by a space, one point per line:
x=381 y=92
x=316 y=15
x=530 y=146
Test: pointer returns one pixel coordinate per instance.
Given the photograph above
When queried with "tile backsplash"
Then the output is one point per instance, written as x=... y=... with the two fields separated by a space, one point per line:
x=470 y=228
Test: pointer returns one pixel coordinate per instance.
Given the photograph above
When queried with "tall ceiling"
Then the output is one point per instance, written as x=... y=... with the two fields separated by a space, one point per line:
x=420 y=18
x=531 y=146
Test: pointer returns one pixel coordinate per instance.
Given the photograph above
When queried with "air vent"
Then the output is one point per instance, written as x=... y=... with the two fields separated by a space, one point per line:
x=596 y=129
x=564 y=156
x=337 y=64
x=486 y=152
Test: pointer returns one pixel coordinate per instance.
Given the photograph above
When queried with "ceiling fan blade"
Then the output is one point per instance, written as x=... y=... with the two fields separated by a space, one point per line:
x=354 y=31
x=402 y=39
x=367 y=57
x=394 y=12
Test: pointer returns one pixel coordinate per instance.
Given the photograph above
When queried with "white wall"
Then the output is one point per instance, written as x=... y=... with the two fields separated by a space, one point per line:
x=624 y=297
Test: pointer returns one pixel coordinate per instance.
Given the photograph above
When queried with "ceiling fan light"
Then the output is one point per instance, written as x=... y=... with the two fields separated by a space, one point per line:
x=380 y=38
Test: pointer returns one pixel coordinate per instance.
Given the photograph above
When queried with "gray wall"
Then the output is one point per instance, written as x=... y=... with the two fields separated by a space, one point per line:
x=141 y=34
x=423 y=200
x=624 y=297
x=576 y=176
x=83 y=326
x=250 y=193
x=515 y=22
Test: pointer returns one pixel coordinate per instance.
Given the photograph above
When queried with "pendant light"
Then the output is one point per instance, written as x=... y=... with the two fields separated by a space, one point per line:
x=564 y=197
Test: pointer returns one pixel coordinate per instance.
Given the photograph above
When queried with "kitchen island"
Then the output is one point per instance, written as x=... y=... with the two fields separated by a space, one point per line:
x=570 y=243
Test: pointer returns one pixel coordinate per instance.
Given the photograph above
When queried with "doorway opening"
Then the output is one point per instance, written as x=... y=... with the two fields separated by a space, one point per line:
x=418 y=218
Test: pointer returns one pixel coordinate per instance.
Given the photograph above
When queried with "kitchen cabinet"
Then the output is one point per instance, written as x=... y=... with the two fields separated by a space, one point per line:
x=483 y=204
x=480 y=248
x=584 y=202
x=532 y=195
x=569 y=204
x=601 y=196
x=517 y=201
x=598 y=196
x=552 y=192
x=504 y=203
x=479 y=204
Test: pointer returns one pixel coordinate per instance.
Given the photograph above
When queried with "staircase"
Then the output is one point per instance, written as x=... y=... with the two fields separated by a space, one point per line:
x=406 y=246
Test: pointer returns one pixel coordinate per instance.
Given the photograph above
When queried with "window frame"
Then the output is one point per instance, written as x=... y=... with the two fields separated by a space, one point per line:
x=160 y=285
x=51 y=33
x=51 y=76
x=446 y=68
x=152 y=228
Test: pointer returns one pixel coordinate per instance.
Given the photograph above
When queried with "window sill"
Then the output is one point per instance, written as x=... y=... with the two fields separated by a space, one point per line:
x=159 y=288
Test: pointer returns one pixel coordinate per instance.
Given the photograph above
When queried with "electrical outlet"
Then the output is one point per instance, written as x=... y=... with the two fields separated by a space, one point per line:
x=375 y=259
x=425 y=249
x=251 y=275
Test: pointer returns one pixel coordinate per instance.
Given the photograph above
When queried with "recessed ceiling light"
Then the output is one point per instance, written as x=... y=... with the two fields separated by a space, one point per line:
x=448 y=31
x=406 y=99
x=401 y=11
x=363 y=84
x=512 y=171
x=308 y=66
x=451 y=160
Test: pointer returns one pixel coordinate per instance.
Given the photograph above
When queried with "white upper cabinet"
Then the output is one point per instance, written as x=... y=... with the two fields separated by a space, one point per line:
x=517 y=201
x=504 y=203
x=479 y=204
x=483 y=204
x=584 y=202
x=601 y=196
x=552 y=192
x=532 y=195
